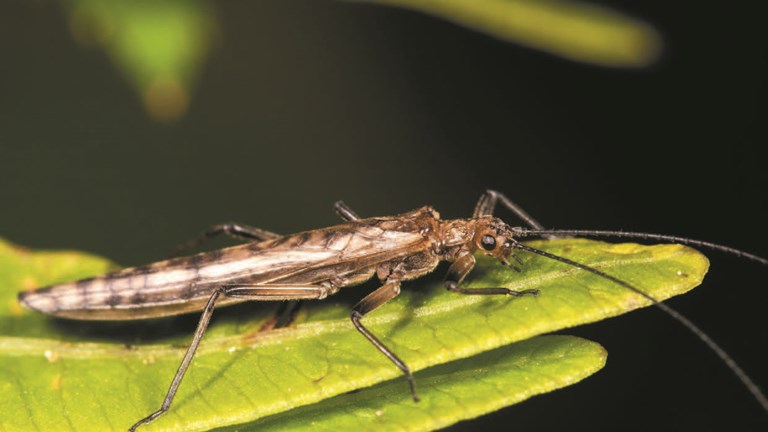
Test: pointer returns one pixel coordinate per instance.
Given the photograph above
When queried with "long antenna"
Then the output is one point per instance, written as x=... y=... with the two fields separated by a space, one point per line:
x=524 y=232
x=724 y=356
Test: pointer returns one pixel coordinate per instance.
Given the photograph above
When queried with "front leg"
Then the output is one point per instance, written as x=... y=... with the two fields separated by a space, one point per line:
x=487 y=204
x=462 y=267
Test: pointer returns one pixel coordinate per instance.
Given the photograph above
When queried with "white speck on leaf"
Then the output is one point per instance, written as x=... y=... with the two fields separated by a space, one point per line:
x=51 y=356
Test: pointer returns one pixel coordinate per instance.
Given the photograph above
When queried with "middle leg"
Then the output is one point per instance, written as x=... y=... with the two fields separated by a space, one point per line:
x=343 y=210
x=371 y=302
x=231 y=229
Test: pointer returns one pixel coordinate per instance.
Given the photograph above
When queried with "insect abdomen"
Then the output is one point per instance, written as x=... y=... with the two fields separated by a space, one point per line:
x=128 y=294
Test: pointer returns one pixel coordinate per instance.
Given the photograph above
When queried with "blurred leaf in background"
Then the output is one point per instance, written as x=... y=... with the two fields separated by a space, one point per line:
x=159 y=45
x=574 y=30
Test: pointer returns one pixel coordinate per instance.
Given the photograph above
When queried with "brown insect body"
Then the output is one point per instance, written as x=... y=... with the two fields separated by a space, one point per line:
x=406 y=246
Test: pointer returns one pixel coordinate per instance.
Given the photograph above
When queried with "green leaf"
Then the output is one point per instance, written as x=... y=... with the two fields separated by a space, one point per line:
x=158 y=45
x=571 y=29
x=451 y=392
x=67 y=375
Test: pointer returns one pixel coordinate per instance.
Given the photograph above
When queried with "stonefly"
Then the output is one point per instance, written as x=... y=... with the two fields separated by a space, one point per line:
x=313 y=265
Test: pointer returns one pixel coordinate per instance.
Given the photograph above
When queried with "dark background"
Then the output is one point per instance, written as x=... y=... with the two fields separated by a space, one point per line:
x=305 y=102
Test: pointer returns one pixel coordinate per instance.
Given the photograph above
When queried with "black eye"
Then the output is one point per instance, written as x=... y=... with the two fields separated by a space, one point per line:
x=488 y=242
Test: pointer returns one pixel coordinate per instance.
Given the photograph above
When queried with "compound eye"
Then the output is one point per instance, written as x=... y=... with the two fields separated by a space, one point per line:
x=488 y=242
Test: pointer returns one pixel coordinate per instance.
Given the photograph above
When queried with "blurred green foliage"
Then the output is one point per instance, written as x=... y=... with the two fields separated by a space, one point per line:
x=571 y=29
x=160 y=46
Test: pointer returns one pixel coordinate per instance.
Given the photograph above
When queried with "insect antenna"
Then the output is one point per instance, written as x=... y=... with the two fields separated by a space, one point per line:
x=693 y=328
x=524 y=232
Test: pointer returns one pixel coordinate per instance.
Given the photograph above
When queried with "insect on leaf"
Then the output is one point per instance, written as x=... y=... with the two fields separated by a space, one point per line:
x=57 y=374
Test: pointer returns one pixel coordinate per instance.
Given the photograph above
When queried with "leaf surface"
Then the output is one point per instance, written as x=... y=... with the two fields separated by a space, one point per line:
x=451 y=392
x=59 y=375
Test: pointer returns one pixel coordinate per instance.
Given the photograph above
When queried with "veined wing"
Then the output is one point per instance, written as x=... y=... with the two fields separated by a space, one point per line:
x=182 y=285
x=363 y=243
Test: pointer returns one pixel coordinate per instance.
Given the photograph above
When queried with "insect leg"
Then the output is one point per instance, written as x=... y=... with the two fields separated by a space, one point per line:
x=462 y=267
x=283 y=317
x=343 y=210
x=251 y=292
x=382 y=295
x=235 y=230
x=487 y=203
